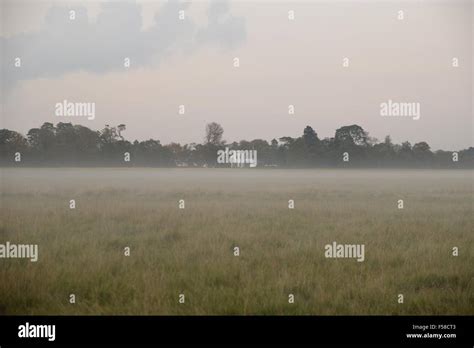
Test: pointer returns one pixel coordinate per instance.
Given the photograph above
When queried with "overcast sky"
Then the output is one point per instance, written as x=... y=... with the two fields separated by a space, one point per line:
x=190 y=62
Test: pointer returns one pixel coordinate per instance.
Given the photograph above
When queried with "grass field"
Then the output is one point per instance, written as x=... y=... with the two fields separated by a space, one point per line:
x=190 y=251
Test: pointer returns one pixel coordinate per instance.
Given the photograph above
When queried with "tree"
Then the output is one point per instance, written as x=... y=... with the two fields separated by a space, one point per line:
x=311 y=143
x=120 y=129
x=310 y=137
x=287 y=142
x=11 y=142
x=421 y=148
x=384 y=153
x=349 y=136
x=68 y=144
x=422 y=152
x=214 y=132
x=108 y=135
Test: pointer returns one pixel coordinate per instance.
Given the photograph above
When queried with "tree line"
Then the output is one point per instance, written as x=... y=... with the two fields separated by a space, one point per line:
x=65 y=144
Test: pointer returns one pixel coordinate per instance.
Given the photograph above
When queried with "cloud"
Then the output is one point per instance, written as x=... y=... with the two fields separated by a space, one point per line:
x=63 y=45
x=222 y=28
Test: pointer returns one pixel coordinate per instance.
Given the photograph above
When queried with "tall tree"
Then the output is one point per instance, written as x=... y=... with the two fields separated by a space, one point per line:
x=310 y=137
x=214 y=132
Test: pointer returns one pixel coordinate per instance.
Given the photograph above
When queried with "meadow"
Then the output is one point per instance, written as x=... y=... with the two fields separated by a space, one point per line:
x=190 y=251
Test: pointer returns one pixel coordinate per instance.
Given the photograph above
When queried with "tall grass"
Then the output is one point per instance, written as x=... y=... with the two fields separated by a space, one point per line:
x=190 y=251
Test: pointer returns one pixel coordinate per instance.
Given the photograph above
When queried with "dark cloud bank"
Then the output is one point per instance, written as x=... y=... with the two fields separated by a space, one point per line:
x=64 y=45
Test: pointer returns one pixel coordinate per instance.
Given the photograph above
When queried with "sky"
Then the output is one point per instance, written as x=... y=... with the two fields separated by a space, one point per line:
x=282 y=62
